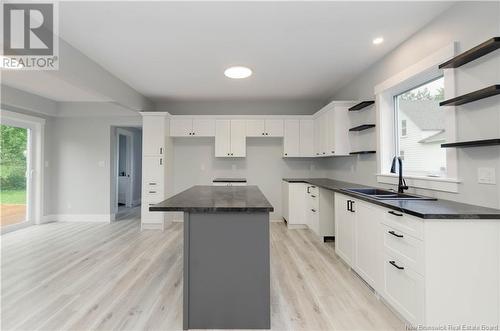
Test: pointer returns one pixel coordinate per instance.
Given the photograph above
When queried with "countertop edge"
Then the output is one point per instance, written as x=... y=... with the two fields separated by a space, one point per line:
x=433 y=216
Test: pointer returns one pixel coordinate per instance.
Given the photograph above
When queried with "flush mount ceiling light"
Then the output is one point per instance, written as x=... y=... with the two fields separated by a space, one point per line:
x=378 y=40
x=238 y=72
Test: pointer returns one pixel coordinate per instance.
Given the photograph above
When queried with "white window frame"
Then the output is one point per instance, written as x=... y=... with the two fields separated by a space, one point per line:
x=417 y=74
x=36 y=142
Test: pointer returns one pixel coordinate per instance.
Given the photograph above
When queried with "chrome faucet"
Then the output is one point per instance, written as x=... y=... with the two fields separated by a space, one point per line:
x=402 y=183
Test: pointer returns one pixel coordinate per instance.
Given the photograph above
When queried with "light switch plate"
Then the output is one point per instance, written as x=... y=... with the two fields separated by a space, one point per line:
x=486 y=175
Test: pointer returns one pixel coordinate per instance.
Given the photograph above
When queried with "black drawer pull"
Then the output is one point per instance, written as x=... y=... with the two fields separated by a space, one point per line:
x=152 y=183
x=152 y=191
x=313 y=196
x=395 y=265
x=313 y=210
x=396 y=235
x=394 y=213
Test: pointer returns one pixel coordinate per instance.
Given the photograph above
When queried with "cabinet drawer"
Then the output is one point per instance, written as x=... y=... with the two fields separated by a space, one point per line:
x=409 y=250
x=403 y=288
x=152 y=185
x=405 y=223
x=155 y=193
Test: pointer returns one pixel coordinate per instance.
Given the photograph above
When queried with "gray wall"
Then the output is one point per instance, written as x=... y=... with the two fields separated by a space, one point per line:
x=468 y=24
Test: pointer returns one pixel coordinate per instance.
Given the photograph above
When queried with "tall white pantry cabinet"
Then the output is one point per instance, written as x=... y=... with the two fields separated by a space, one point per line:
x=156 y=155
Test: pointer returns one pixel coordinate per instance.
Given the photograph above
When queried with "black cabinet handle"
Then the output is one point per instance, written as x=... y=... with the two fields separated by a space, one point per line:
x=152 y=191
x=313 y=210
x=286 y=154
x=352 y=204
x=194 y=133
x=161 y=150
x=396 y=266
x=308 y=189
x=152 y=183
x=161 y=161
x=324 y=153
x=263 y=134
x=396 y=235
x=394 y=213
x=348 y=204
x=267 y=133
x=313 y=196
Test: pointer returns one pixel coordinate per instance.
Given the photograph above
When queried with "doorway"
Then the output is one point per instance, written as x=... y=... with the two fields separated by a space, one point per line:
x=15 y=175
x=128 y=169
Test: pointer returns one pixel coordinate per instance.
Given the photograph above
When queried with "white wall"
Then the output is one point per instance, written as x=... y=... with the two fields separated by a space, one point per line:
x=82 y=165
x=195 y=164
x=468 y=23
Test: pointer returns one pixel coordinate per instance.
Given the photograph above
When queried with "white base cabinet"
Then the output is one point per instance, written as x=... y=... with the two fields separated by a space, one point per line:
x=294 y=204
x=432 y=272
x=320 y=208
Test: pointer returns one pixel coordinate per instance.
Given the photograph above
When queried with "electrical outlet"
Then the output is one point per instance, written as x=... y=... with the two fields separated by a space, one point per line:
x=486 y=175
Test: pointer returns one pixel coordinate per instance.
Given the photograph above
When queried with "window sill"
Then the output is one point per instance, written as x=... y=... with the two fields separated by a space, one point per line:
x=427 y=183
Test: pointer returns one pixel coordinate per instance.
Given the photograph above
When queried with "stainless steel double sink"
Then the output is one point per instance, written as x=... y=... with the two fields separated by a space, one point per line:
x=380 y=194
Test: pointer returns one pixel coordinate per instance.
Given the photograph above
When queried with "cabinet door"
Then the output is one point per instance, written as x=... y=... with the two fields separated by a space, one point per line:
x=331 y=129
x=153 y=170
x=181 y=127
x=238 y=138
x=344 y=229
x=291 y=141
x=222 y=138
x=317 y=137
x=306 y=138
x=274 y=128
x=323 y=129
x=203 y=127
x=367 y=231
x=153 y=135
x=255 y=128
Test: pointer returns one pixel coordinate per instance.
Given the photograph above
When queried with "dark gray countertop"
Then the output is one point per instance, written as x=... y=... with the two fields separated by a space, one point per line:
x=211 y=199
x=229 y=180
x=438 y=209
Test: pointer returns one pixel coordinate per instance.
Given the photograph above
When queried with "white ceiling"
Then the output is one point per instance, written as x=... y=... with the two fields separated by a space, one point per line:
x=174 y=50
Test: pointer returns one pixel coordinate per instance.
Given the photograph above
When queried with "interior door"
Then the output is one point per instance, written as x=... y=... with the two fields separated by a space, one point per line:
x=222 y=138
x=238 y=138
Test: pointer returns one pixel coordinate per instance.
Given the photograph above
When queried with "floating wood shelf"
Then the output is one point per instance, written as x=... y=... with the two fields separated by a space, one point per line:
x=361 y=105
x=472 y=143
x=473 y=96
x=474 y=53
x=362 y=127
x=363 y=152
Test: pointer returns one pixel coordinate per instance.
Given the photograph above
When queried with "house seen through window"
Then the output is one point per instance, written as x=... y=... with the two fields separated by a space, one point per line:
x=421 y=129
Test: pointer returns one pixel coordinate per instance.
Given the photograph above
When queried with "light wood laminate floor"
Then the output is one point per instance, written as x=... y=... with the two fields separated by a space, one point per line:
x=83 y=276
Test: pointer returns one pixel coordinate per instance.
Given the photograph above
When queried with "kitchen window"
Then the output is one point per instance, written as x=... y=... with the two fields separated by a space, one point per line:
x=421 y=129
x=412 y=125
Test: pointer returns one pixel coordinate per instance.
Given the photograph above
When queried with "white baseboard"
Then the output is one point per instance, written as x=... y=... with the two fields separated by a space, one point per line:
x=296 y=226
x=152 y=226
x=94 y=218
x=181 y=220
x=276 y=221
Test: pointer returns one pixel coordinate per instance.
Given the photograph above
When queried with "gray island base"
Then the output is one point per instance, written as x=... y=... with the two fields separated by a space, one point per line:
x=226 y=257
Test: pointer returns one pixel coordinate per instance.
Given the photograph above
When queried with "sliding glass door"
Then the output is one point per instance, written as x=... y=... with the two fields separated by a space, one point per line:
x=15 y=175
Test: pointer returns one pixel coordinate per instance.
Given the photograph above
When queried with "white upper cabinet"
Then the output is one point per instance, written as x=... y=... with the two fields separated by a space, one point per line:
x=189 y=127
x=274 y=128
x=153 y=135
x=203 y=127
x=291 y=141
x=264 y=128
x=238 y=138
x=298 y=138
x=331 y=130
x=255 y=128
x=230 y=138
x=306 y=138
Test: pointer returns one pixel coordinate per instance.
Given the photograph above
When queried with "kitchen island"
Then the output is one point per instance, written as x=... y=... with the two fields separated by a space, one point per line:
x=226 y=256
